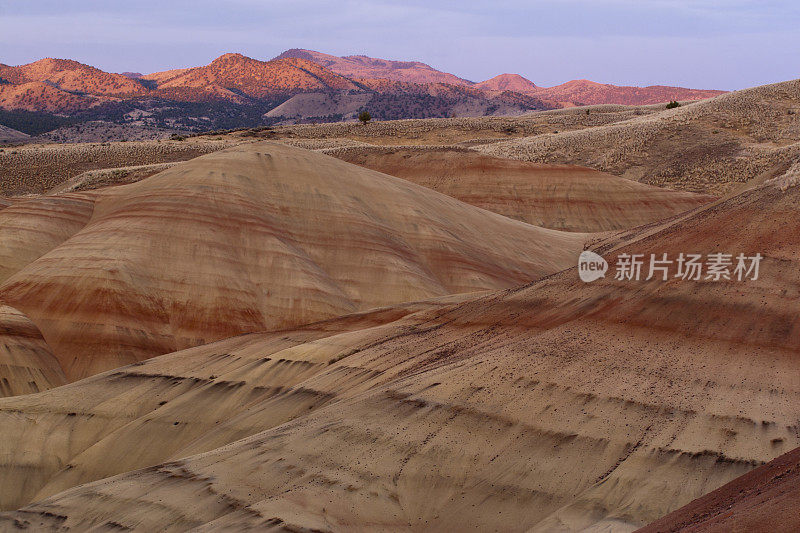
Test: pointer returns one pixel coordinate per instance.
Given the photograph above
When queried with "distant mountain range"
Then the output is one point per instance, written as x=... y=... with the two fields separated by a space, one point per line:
x=297 y=85
x=577 y=92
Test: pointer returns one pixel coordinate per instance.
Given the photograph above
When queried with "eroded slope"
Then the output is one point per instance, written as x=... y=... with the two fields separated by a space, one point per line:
x=556 y=406
x=563 y=197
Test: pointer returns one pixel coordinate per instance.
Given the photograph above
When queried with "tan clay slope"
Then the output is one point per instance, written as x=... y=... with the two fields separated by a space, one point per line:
x=563 y=197
x=220 y=392
x=705 y=146
x=26 y=362
x=764 y=500
x=31 y=228
x=260 y=237
x=558 y=406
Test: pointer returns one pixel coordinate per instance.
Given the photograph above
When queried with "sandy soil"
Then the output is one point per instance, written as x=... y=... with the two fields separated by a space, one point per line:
x=98 y=131
x=38 y=168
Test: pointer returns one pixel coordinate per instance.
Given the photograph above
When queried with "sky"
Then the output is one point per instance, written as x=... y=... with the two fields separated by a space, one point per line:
x=706 y=44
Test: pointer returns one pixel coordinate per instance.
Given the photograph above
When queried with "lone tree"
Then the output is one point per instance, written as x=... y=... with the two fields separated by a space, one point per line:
x=364 y=117
x=673 y=104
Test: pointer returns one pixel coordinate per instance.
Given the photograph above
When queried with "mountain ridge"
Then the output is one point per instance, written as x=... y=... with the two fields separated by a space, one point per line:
x=362 y=66
x=235 y=90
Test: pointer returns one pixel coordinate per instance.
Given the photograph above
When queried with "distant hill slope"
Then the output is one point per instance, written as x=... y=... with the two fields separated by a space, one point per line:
x=508 y=82
x=361 y=66
x=40 y=96
x=581 y=92
x=245 y=76
x=9 y=135
x=237 y=78
x=321 y=104
x=588 y=92
x=585 y=92
x=72 y=76
x=706 y=146
x=62 y=86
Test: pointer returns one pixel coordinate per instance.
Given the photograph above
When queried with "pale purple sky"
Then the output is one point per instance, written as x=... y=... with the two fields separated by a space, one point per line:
x=719 y=44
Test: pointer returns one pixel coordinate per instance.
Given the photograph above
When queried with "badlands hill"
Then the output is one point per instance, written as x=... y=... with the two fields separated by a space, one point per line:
x=563 y=197
x=254 y=238
x=553 y=406
x=713 y=145
x=320 y=104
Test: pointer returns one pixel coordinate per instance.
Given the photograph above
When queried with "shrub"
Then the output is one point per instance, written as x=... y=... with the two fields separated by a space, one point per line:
x=673 y=104
x=364 y=117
